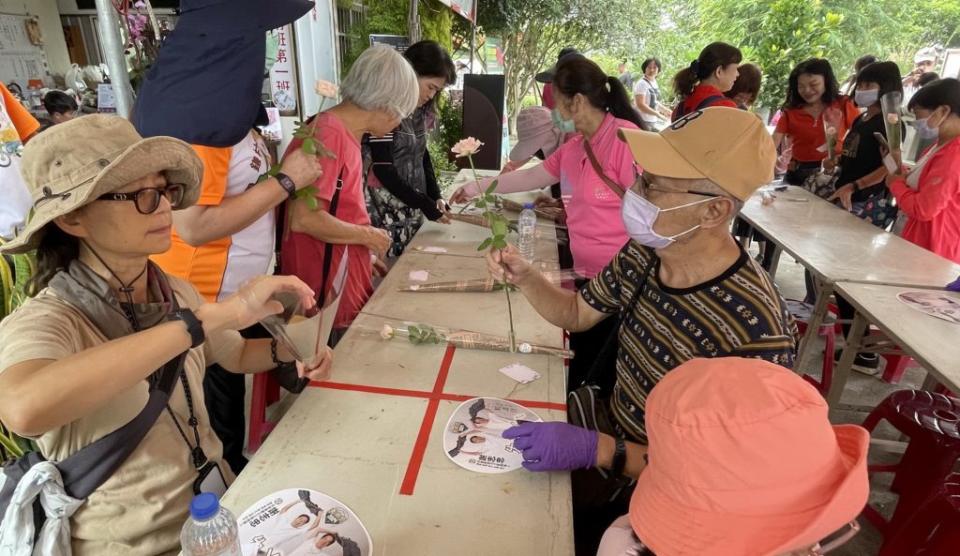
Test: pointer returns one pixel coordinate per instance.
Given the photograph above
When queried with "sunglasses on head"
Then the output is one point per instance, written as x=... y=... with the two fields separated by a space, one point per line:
x=147 y=200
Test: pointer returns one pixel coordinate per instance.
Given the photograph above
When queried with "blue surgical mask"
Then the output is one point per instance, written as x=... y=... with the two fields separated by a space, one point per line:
x=563 y=125
x=865 y=99
x=924 y=130
x=639 y=215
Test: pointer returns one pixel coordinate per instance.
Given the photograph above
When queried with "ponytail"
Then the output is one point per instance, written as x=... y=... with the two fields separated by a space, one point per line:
x=578 y=75
x=685 y=81
x=618 y=102
x=713 y=56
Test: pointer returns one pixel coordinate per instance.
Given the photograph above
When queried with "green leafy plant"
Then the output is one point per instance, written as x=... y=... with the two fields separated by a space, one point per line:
x=307 y=133
x=15 y=274
x=488 y=203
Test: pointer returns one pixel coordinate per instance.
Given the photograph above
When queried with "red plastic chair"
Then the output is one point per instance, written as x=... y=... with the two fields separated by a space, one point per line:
x=896 y=366
x=266 y=391
x=934 y=530
x=932 y=421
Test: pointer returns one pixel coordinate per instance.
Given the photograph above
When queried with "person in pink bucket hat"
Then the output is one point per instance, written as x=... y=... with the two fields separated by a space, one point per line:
x=536 y=136
x=742 y=462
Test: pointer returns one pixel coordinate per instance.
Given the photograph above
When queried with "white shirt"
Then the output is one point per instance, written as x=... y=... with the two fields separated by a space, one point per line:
x=643 y=88
x=15 y=201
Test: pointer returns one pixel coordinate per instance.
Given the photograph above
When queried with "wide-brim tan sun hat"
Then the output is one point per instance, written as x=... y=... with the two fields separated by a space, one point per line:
x=72 y=164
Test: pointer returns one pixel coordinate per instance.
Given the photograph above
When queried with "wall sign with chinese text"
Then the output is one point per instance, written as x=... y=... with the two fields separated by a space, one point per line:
x=283 y=80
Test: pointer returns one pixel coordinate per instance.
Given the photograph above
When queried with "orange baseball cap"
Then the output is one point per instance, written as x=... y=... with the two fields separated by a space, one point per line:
x=727 y=146
x=743 y=461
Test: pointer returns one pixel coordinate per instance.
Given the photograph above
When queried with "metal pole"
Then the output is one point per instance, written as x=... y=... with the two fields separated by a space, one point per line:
x=473 y=44
x=108 y=28
x=413 y=21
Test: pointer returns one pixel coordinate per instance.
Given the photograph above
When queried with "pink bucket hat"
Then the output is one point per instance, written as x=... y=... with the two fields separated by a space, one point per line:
x=743 y=461
x=535 y=131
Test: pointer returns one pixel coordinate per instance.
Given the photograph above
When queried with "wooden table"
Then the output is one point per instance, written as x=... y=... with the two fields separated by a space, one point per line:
x=372 y=435
x=931 y=342
x=836 y=246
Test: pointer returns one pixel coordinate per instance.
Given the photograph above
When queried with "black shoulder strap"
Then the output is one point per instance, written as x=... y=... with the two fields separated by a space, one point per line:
x=599 y=371
x=681 y=111
x=709 y=101
x=328 y=248
x=87 y=469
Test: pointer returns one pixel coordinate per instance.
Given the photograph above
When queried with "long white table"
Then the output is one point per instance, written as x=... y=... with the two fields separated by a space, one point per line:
x=372 y=435
x=836 y=246
x=931 y=342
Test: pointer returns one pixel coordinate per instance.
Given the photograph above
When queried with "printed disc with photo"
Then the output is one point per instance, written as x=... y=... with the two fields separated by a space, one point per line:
x=934 y=303
x=473 y=435
x=302 y=522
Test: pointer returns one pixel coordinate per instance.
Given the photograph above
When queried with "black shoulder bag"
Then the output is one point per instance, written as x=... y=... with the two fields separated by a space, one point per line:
x=90 y=467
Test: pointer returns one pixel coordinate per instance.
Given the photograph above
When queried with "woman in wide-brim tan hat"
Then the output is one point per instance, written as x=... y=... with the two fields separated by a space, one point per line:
x=76 y=358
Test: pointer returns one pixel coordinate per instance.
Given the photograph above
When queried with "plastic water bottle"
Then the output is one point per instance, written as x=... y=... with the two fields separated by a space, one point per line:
x=211 y=529
x=528 y=232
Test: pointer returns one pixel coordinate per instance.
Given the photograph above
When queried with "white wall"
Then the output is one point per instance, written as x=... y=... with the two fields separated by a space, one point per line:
x=55 y=46
x=316 y=51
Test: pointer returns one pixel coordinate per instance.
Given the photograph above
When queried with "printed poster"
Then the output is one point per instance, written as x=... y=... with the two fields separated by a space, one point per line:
x=283 y=81
x=302 y=522
x=934 y=303
x=473 y=435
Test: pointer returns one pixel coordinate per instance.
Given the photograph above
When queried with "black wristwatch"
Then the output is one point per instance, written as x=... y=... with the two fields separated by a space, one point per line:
x=287 y=184
x=194 y=326
x=619 y=457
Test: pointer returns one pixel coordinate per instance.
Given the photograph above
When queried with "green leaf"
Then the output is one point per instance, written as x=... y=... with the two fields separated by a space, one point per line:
x=480 y=203
x=499 y=227
x=309 y=145
x=499 y=243
x=486 y=243
x=492 y=187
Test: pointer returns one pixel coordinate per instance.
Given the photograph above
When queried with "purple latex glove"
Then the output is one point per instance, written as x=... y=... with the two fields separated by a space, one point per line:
x=954 y=286
x=554 y=446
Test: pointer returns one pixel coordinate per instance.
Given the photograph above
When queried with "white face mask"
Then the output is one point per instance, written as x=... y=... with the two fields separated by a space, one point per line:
x=865 y=99
x=639 y=215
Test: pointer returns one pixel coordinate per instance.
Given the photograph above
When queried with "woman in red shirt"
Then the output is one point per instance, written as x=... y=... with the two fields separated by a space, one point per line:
x=813 y=90
x=930 y=193
x=380 y=91
x=709 y=76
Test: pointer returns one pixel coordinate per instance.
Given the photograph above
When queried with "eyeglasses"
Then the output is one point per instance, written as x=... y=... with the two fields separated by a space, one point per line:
x=643 y=186
x=147 y=200
x=837 y=539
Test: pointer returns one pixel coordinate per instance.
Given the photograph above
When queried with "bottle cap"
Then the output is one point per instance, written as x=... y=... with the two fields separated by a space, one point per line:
x=528 y=205
x=204 y=505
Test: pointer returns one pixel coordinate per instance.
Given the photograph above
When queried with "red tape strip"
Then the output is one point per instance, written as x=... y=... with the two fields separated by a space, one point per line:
x=434 y=398
x=420 y=446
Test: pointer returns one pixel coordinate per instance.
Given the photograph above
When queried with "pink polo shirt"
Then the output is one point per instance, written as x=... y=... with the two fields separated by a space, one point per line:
x=593 y=210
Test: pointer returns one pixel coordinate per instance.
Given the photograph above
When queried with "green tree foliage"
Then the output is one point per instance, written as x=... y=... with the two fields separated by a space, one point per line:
x=389 y=17
x=778 y=34
x=534 y=32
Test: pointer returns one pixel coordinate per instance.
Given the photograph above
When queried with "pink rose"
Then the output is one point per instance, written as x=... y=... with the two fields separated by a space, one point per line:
x=466 y=147
x=325 y=89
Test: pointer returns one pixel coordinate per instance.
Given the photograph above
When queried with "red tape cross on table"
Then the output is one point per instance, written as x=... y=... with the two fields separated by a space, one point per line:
x=434 y=397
